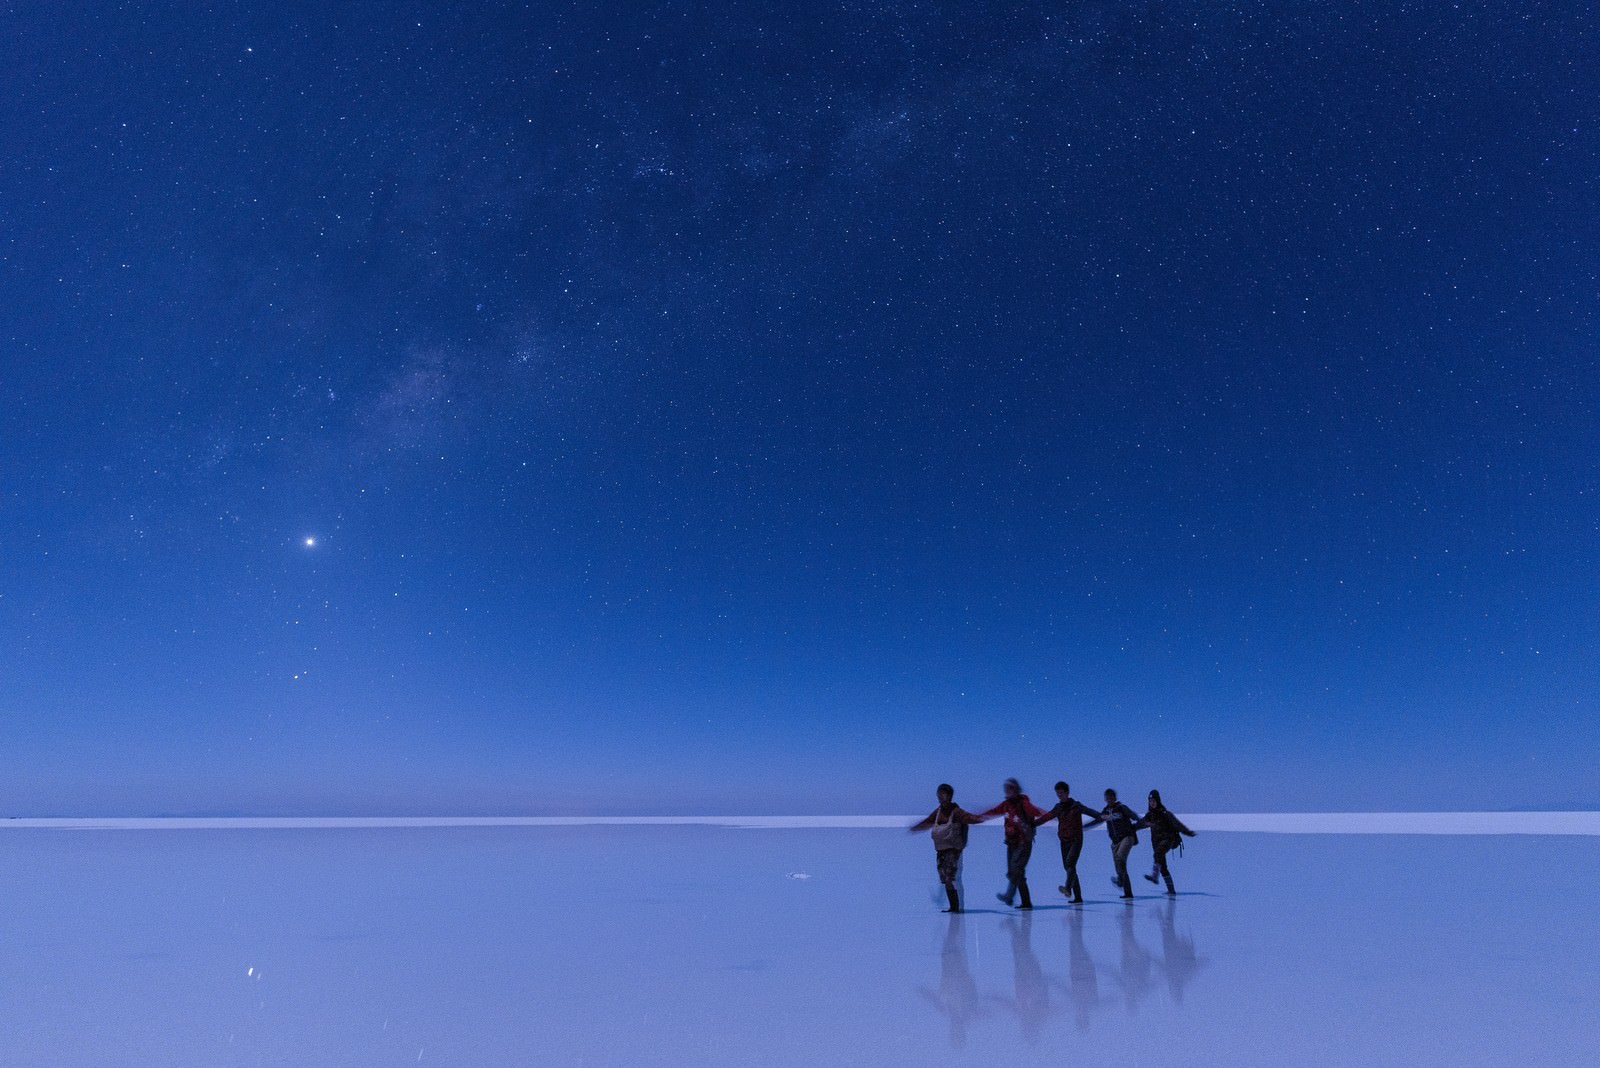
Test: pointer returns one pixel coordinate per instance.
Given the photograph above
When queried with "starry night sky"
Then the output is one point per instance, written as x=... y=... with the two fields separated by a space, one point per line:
x=782 y=408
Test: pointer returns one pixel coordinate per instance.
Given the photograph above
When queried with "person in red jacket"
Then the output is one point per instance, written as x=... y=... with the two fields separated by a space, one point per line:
x=1020 y=814
x=1068 y=814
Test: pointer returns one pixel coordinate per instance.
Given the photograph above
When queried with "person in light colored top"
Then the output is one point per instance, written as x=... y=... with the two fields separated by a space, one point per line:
x=949 y=823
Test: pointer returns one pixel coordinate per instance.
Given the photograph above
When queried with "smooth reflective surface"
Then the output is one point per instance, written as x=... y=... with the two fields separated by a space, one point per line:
x=705 y=945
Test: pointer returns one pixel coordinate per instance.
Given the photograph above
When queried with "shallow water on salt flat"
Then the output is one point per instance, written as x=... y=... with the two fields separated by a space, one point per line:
x=694 y=945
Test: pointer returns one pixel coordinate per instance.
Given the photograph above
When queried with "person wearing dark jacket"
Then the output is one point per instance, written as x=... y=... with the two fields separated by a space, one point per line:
x=1122 y=824
x=1165 y=832
x=1020 y=814
x=1068 y=814
x=949 y=823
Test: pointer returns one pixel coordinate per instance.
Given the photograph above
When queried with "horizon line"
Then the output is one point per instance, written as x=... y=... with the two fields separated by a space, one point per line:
x=1568 y=822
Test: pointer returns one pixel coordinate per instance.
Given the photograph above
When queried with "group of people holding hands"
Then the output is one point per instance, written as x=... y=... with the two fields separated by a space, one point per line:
x=949 y=823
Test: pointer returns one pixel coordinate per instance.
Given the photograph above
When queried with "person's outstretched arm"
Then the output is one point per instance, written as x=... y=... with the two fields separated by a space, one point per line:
x=924 y=824
x=967 y=817
x=1046 y=817
x=1095 y=819
x=1181 y=828
x=998 y=810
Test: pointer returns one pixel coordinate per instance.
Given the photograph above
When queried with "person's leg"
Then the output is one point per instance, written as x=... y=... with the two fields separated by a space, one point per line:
x=1022 y=872
x=949 y=862
x=1161 y=867
x=1120 y=855
x=1013 y=872
x=1070 y=851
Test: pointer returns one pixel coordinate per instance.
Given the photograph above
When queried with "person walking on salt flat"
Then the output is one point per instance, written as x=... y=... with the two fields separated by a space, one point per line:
x=1068 y=814
x=1122 y=824
x=1020 y=814
x=1165 y=832
x=949 y=823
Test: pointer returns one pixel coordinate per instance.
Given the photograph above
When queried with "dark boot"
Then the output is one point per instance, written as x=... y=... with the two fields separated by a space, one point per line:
x=1172 y=890
x=955 y=902
x=1027 y=902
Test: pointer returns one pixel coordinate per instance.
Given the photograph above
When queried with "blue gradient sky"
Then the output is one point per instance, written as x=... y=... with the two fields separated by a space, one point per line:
x=784 y=408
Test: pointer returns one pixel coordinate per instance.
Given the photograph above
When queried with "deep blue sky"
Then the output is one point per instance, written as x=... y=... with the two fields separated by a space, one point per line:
x=754 y=408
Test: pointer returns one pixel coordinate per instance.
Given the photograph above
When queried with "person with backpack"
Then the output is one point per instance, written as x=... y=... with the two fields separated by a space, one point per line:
x=949 y=823
x=1166 y=830
x=1122 y=824
x=1069 y=813
x=1020 y=814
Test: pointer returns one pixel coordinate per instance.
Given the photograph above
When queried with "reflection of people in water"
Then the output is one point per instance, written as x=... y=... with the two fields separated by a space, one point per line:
x=1178 y=958
x=958 y=1000
x=957 y=996
x=1085 y=983
x=1136 y=964
x=1178 y=961
x=1031 y=1000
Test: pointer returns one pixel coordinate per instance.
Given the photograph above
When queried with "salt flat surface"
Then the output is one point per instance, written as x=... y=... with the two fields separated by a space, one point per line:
x=700 y=945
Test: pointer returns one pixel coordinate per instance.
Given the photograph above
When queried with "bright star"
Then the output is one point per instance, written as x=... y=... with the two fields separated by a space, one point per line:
x=310 y=543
